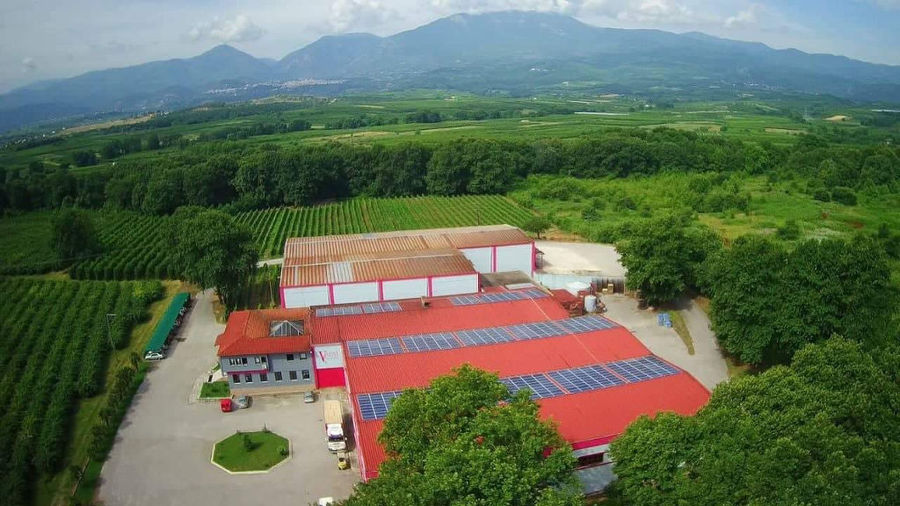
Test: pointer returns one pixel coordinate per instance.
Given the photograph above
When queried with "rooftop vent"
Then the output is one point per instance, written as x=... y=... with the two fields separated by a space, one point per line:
x=286 y=328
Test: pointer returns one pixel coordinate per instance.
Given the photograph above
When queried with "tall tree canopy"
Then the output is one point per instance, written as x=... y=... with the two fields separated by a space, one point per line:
x=465 y=441
x=213 y=250
x=824 y=431
x=663 y=256
x=768 y=302
x=73 y=235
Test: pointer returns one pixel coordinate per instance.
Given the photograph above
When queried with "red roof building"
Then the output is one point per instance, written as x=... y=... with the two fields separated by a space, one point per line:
x=591 y=376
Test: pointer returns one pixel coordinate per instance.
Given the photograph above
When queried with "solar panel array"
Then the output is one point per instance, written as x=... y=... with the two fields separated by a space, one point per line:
x=582 y=379
x=640 y=369
x=430 y=342
x=539 y=384
x=552 y=383
x=586 y=324
x=375 y=307
x=488 y=298
x=375 y=406
x=374 y=347
x=477 y=337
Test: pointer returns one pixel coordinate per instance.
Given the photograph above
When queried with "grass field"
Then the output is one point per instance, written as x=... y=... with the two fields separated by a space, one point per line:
x=747 y=118
x=272 y=226
x=215 y=390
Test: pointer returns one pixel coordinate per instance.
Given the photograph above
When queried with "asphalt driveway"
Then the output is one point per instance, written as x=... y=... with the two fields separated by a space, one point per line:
x=161 y=455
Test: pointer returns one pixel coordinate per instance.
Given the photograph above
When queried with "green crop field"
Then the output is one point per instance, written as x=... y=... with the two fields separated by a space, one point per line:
x=271 y=227
x=56 y=338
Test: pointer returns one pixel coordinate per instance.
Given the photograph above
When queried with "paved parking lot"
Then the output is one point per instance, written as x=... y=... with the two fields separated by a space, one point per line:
x=162 y=451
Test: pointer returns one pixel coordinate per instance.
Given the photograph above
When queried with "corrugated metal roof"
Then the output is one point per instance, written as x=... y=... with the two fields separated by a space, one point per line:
x=441 y=315
x=387 y=266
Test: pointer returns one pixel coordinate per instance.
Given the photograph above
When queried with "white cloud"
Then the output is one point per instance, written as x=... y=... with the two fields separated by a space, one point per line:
x=886 y=4
x=357 y=15
x=28 y=64
x=746 y=17
x=237 y=29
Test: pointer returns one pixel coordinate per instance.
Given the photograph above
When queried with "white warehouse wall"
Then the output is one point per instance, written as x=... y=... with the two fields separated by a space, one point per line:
x=454 y=285
x=404 y=289
x=514 y=258
x=355 y=292
x=305 y=296
x=480 y=258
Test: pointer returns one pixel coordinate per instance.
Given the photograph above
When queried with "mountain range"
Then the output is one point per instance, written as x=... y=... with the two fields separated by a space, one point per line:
x=511 y=52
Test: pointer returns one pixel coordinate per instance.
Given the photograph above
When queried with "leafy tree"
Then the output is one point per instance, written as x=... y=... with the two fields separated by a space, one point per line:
x=536 y=225
x=464 y=441
x=823 y=431
x=213 y=250
x=73 y=235
x=663 y=256
x=843 y=195
x=767 y=303
x=84 y=158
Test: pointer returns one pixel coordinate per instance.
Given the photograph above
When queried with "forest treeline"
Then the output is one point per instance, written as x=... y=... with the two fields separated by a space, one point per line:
x=249 y=177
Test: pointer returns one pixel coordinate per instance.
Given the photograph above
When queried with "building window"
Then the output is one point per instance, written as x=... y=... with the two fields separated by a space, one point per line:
x=237 y=361
x=290 y=356
x=304 y=356
x=277 y=375
x=292 y=375
x=305 y=374
x=264 y=359
x=263 y=377
x=590 y=460
x=260 y=359
x=248 y=378
x=244 y=360
x=257 y=360
x=235 y=378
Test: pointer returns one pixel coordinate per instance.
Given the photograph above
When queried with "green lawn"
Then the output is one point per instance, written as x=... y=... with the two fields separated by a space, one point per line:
x=267 y=450
x=215 y=390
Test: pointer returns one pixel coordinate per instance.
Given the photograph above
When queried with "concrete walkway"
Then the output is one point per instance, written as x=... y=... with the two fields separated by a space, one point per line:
x=706 y=364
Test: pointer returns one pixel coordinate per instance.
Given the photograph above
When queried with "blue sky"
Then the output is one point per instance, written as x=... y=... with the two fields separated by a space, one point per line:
x=44 y=39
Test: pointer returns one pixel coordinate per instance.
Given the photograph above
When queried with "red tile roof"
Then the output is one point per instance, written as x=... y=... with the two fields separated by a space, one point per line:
x=247 y=333
x=402 y=265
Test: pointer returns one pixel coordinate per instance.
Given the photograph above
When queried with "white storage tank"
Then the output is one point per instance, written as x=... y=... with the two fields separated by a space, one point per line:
x=590 y=303
x=576 y=286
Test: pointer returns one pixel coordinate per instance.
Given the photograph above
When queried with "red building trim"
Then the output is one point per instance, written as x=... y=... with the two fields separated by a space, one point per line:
x=330 y=294
x=380 y=289
x=333 y=377
x=493 y=259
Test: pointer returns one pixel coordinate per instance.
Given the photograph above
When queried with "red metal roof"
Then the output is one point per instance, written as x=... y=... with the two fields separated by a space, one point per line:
x=412 y=370
x=441 y=315
x=373 y=268
x=247 y=333
x=310 y=261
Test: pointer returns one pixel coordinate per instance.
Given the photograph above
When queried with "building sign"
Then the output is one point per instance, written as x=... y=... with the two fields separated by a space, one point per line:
x=329 y=356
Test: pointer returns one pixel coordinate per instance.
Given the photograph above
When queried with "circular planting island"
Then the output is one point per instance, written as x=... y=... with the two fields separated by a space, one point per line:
x=251 y=452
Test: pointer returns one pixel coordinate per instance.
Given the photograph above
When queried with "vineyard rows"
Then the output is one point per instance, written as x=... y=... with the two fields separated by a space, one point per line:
x=135 y=248
x=271 y=227
x=55 y=341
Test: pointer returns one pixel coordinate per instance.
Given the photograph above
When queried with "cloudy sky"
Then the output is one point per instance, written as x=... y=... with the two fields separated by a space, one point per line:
x=44 y=39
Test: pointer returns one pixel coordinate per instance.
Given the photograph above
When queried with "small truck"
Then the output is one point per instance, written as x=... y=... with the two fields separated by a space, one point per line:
x=334 y=426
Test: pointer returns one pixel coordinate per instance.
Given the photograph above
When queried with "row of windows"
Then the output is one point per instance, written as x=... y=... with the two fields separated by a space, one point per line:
x=262 y=359
x=264 y=377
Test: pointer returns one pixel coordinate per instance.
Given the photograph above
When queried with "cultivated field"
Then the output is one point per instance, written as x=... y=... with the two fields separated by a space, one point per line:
x=56 y=340
x=272 y=226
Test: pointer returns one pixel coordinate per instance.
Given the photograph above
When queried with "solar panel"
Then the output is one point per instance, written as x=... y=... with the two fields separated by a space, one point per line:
x=487 y=298
x=430 y=342
x=381 y=307
x=586 y=324
x=374 y=347
x=527 y=331
x=325 y=311
x=539 y=384
x=532 y=293
x=375 y=406
x=641 y=369
x=484 y=336
x=582 y=379
x=464 y=300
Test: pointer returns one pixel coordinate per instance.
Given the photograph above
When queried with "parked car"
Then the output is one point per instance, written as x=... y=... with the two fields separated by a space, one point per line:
x=243 y=401
x=154 y=355
x=226 y=405
x=309 y=397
